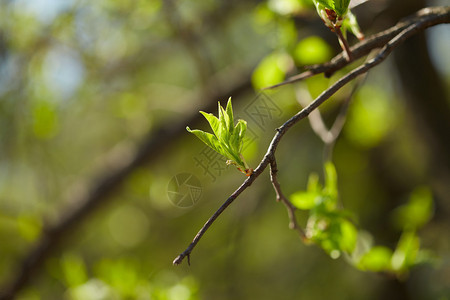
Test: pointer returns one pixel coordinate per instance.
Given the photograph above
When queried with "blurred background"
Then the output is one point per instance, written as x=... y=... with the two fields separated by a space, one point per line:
x=101 y=186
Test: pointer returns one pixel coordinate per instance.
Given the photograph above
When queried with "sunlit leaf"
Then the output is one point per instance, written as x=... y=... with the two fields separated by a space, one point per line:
x=341 y=6
x=331 y=180
x=406 y=252
x=377 y=259
x=349 y=236
x=304 y=200
x=312 y=50
x=417 y=212
x=228 y=139
x=207 y=138
x=271 y=70
x=74 y=269
x=213 y=122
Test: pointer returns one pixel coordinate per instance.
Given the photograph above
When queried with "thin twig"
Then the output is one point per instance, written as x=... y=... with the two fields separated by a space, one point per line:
x=344 y=44
x=442 y=16
x=434 y=15
x=293 y=224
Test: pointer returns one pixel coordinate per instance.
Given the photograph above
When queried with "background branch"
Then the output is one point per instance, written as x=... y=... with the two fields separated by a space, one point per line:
x=328 y=136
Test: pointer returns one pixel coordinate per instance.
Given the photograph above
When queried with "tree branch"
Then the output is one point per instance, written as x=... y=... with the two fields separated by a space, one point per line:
x=431 y=16
x=439 y=15
x=293 y=224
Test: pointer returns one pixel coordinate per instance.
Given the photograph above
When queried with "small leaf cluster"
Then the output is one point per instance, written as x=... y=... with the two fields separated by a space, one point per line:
x=336 y=14
x=334 y=231
x=228 y=139
x=340 y=7
x=328 y=226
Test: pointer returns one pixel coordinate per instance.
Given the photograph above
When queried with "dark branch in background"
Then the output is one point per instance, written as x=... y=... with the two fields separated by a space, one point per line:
x=154 y=145
x=365 y=47
x=434 y=16
x=328 y=136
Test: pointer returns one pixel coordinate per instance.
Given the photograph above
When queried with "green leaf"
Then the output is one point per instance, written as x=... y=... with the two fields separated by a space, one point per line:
x=230 y=118
x=313 y=183
x=324 y=3
x=331 y=180
x=207 y=138
x=341 y=7
x=241 y=129
x=405 y=254
x=228 y=139
x=213 y=122
x=312 y=50
x=417 y=212
x=304 y=200
x=349 y=236
x=377 y=259
x=223 y=119
x=271 y=70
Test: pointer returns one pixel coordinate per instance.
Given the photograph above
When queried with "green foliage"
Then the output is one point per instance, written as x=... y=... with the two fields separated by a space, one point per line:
x=312 y=50
x=228 y=139
x=271 y=70
x=377 y=259
x=336 y=14
x=417 y=212
x=338 y=6
x=332 y=228
x=74 y=270
x=327 y=226
x=371 y=110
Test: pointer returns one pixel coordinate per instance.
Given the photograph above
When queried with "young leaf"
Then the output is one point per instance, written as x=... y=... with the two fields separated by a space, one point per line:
x=377 y=259
x=228 y=139
x=341 y=7
x=207 y=138
x=213 y=122
x=230 y=118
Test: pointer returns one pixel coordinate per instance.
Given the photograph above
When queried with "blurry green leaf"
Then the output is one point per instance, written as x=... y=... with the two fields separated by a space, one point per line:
x=371 y=110
x=312 y=50
x=406 y=252
x=331 y=180
x=349 y=236
x=417 y=212
x=121 y=274
x=271 y=70
x=29 y=227
x=304 y=200
x=45 y=120
x=313 y=183
x=94 y=289
x=74 y=269
x=377 y=259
